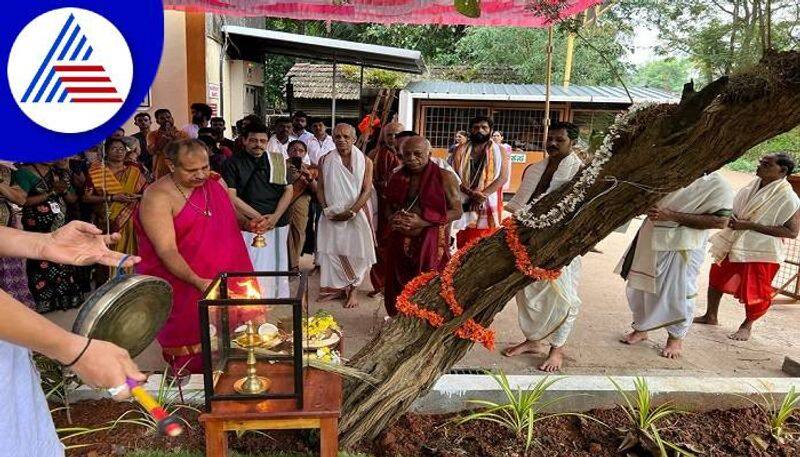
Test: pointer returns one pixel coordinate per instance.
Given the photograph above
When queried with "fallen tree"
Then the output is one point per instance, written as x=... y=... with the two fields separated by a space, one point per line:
x=663 y=148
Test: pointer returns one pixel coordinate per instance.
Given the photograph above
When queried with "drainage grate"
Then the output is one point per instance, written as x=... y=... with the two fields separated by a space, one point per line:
x=466 y=370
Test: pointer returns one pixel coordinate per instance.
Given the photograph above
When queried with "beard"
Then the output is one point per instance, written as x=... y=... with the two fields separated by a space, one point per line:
x=478 y=138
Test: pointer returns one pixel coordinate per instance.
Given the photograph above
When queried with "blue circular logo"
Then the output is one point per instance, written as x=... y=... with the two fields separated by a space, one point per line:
x=76 y=70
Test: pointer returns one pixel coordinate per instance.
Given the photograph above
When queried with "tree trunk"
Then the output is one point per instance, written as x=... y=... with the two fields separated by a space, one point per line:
x=665 y=147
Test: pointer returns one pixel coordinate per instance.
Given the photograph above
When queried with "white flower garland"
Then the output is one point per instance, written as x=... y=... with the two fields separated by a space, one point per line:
x=588 y=177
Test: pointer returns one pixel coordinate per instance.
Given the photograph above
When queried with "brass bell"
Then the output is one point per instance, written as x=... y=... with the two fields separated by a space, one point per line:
x=259 y=241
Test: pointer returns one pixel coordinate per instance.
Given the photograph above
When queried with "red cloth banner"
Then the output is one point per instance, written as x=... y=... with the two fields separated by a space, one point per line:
x=522 y=13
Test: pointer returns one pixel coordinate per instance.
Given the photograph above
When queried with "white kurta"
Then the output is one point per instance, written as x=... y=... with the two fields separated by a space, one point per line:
x=25 y=420
x=272 y=257
x=549 y=308
x=662 y=280
x=346 y=249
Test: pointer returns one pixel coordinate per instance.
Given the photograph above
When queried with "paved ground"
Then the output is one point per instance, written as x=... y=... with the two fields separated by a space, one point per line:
x=594 y=347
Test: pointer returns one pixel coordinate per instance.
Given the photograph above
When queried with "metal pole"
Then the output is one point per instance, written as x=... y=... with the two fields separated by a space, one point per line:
x=222 y=77
x=361 y=94
x=333 y=96
x=549 y=82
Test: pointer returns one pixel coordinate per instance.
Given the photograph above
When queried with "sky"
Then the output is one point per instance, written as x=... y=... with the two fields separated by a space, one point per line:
x=645 y=42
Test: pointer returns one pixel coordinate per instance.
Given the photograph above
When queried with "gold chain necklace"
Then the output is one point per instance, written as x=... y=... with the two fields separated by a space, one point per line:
x=205 y=212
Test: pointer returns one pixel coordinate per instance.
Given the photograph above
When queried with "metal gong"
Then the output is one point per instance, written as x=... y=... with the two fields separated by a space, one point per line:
x=128 y=311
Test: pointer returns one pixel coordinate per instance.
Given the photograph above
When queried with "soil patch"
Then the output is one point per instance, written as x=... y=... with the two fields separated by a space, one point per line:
x=740 y=432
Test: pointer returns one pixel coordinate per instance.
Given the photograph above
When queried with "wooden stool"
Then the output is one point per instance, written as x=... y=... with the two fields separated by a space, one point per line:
x=322 y=401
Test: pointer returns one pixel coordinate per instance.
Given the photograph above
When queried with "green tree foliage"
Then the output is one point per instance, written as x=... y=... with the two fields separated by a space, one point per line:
x=668 y=74
x=517 y=55
x=719 y=36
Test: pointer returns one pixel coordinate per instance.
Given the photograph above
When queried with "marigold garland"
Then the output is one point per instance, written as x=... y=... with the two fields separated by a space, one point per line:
x=474 y=331
x=522 y=261
x=471 y=329
x=409 y=308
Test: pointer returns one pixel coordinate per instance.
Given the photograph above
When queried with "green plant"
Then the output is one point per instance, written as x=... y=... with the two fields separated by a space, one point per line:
x=167 y=397
x=645 y=420
x=522 y=410
x=778 y=414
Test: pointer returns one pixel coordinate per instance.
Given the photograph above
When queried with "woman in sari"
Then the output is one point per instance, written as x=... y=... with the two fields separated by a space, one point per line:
x=48 y=188
x=12 y=270
x=116 y=190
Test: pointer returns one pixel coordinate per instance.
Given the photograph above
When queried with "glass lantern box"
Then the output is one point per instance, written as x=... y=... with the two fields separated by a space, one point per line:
x=252 y=336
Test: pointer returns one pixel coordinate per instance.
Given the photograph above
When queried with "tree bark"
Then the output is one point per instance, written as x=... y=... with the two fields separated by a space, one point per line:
x=664 y=147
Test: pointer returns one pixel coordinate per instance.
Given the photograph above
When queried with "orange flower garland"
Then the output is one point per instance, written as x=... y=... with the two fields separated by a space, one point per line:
x=471 y=329
x=409 y=308
x=521 y=258
x=474 y=331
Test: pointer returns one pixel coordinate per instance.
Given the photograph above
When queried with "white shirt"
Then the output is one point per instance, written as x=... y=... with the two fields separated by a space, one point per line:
x=305 y=137
x=275 y=145
x=317 y=148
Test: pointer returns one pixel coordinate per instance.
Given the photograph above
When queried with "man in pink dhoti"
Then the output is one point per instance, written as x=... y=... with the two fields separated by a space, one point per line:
x=203 y=240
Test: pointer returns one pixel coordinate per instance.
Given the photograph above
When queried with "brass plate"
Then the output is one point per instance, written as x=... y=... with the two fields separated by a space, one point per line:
x=128 y=311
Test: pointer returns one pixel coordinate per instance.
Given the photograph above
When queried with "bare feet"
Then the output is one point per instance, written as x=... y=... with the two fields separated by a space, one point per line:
x=525 y=347
x=673 y=348
x=328 y=296
x=352 y=298
x=634 y=337
x=705 y=319
x=743 y=334
x=554 y=360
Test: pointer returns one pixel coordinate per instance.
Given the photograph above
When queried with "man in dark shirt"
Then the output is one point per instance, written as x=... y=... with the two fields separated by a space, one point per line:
x=259 y=179
x=143 y=121
x=218 y=124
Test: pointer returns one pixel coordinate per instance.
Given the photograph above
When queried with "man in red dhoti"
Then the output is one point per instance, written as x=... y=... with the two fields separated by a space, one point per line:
x=749 y=251
x=385 y=158
x=189 y=232
x=482 y=170
x=421 y=201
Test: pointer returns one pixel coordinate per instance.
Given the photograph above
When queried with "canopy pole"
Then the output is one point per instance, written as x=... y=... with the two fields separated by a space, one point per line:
x=549 y=82
x=361 y=93
x=333 y=95
x=568 y=63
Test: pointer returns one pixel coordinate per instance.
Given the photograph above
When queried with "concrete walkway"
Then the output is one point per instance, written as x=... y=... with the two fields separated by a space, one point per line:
x=593 y=348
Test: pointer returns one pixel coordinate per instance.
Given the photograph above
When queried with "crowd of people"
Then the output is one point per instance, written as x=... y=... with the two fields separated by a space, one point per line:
x=191 y=203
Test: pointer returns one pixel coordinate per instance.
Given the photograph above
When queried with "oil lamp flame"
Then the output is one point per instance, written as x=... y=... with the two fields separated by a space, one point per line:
x=249 y=289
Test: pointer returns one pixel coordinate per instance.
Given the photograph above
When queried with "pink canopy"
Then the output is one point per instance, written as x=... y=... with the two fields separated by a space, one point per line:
x=524 y=13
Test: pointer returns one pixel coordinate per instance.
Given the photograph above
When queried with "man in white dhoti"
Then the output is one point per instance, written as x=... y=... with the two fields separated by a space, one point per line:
x=259 y=178
x=345 y=239
x=549 y=308
x=662 y=263
x=749 y=252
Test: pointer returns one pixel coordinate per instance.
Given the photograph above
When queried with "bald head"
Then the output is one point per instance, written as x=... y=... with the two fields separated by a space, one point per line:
x=416 y=153
x=344 y=136
x=388 y=134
